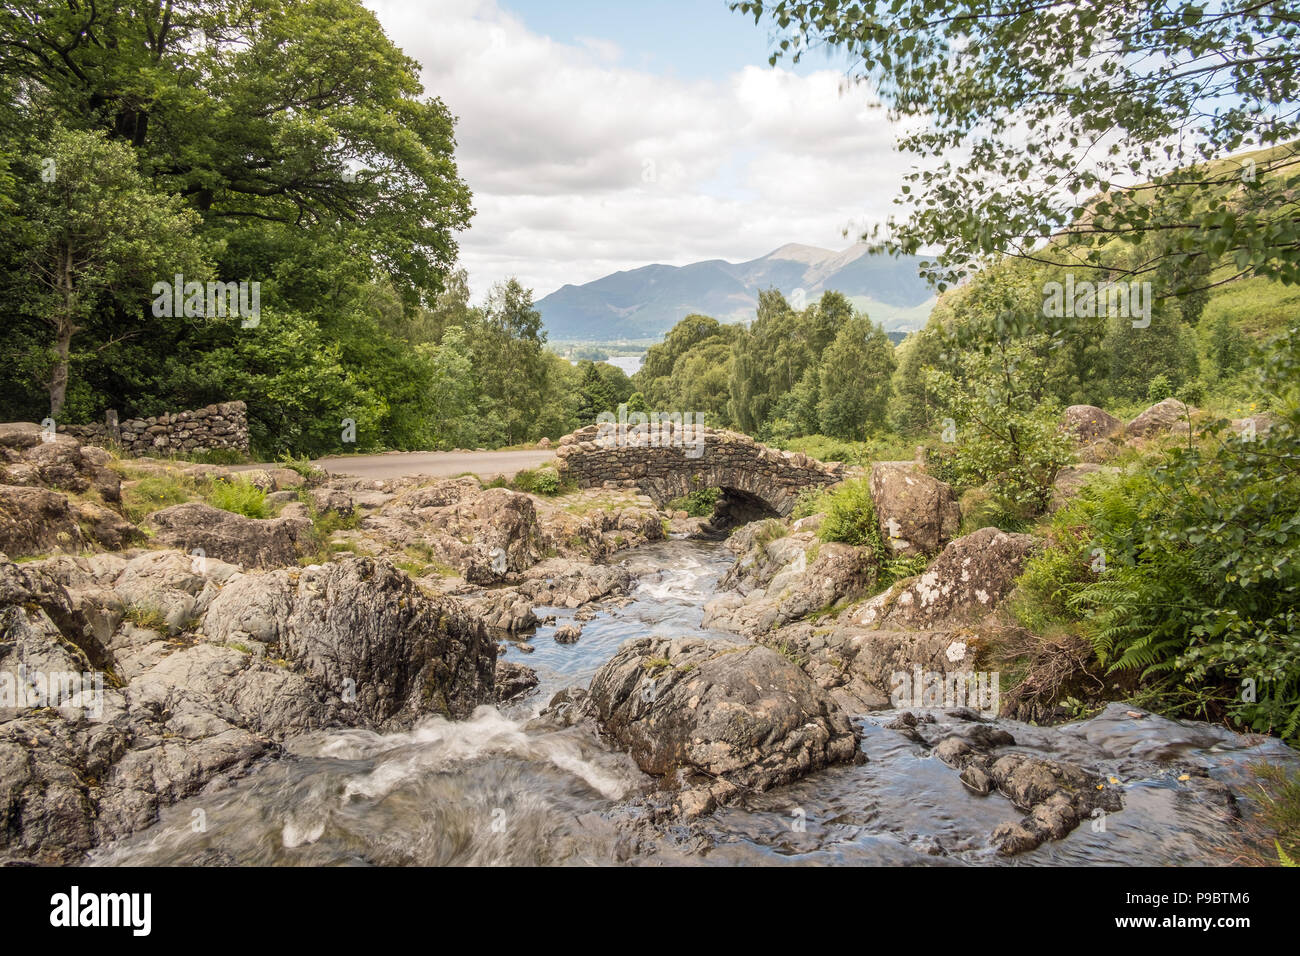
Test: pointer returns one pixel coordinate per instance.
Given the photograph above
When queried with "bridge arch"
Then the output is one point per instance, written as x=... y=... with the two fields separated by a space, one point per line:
x=670 y=462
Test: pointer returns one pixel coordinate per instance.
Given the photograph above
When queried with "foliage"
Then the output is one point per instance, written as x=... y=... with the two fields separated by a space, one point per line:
x=1049 y=104
x=1008 y=434
x=851 y=516
x=698 y=504
x=855 y=380
x=540 y=481
x=240 y=496
x=1200 y=582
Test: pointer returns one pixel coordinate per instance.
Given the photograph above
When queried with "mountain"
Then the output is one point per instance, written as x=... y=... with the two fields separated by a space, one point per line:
x=647 y=302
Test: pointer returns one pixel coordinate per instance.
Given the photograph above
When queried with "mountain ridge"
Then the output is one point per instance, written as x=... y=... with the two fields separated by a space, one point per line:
x=647 y=301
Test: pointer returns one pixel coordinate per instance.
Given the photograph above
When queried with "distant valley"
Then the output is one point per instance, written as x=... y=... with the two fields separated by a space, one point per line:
x=645 y=303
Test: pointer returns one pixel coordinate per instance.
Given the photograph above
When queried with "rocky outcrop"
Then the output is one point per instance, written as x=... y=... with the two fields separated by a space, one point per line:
x=513 y=680
x=966 y=582
x=1055 y=795
x=917 y=514
x=857 y=665
x=1160 y=419
x=485 y=535
x=212 y=672
x=723 y=717
x=250 y=542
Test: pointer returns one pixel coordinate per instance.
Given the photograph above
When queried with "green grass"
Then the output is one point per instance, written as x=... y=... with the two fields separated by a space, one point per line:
x=1260 y=307
x=146 y=616
x=544 y=482
x=155 y=492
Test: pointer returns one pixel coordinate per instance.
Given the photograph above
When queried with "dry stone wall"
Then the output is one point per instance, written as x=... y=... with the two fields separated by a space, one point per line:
x=224 y=425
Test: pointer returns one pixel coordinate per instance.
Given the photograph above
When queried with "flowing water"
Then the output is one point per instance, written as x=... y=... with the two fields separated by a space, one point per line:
x=489 y=791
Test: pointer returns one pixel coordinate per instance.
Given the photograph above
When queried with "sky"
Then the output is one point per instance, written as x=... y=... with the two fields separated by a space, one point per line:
x=603 y=136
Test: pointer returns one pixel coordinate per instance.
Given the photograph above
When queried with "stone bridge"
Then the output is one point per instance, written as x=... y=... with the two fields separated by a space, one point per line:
x=667 y=462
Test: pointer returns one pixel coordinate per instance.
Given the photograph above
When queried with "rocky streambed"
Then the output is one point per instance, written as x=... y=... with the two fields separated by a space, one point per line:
x=504 y=786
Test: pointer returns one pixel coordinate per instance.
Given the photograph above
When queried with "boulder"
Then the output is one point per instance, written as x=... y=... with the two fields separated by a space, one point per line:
x=333 y=501
x=838 y=573
x=963 y=585
x=567 y=634
x=34 y=520
x=513 y=680
x=1161 y=418
x=1088 y=423
x=362 y=628
x=917 y=514
x=248 y=542
x=741 y=715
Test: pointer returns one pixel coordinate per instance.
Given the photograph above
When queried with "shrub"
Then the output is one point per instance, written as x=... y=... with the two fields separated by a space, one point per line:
x=540 y=481
x=241 y=497
x=851 y=516
x=1159 y=389
x=698 y=504
x=1008 y=430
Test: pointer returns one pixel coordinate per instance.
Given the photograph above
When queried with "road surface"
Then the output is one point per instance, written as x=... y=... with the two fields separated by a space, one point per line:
x=436 y=464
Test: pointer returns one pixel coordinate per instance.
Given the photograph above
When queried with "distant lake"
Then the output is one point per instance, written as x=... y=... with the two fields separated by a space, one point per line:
x=628 y=363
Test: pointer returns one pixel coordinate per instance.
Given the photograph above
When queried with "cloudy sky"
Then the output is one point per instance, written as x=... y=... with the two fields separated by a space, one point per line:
x=599 y=136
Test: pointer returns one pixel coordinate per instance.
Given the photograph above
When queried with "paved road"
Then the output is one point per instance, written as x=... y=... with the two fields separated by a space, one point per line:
x=436 y=464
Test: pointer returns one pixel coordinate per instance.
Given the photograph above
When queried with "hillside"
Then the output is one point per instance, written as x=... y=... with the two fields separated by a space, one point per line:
x=647 y=302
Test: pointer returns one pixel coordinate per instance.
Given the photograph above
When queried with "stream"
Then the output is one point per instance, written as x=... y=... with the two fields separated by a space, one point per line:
x=489 y=791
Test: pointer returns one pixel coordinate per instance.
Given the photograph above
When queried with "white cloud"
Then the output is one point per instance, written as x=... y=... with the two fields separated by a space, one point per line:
x=582 y=165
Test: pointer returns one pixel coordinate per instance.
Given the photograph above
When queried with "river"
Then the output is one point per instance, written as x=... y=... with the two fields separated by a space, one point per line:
x=490 y=790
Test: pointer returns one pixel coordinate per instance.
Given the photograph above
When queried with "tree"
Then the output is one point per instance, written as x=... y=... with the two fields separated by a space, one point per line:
x=1050 y=103
x=301 y=125
x=510 y=362
x=97 y=235
x=452 y=389
x=1138 y=356
x=594 y=394
x=855 y=380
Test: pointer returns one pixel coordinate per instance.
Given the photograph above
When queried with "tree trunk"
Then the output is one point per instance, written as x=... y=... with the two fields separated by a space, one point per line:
x=63 y=329
x=59 y=377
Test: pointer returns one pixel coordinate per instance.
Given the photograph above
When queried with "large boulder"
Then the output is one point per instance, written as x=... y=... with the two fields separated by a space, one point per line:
x=30 y=456
x=249 y=542
x=917 y=514
x=487 y=536
x=1088 y=423
x=1160 y=419
x=364 y=626
x=741 y=715
x=963 y=585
